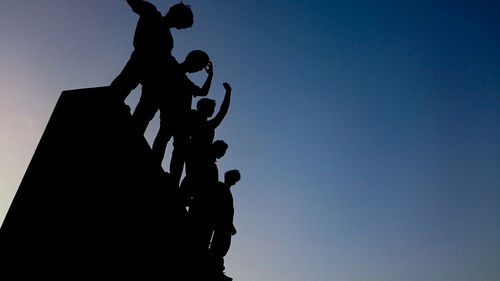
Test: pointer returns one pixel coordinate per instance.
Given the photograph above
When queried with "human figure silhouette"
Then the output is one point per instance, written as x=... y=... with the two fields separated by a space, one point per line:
x=153 y=45
x=223 y=216
x=200 y=179
x=202 y=132
x=175 y=107
x=198 y=195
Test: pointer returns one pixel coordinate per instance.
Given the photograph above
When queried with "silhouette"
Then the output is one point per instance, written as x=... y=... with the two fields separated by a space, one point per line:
x=175 y=107
x=95 y=200
x=223 y=222
x=92 y=201
x=199 y=197
x=197 y=183
x=152 y=56
x=202 y=132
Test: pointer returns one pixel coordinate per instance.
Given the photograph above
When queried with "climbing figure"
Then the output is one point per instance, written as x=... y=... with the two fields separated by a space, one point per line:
x=152 y=57
x=175 y=106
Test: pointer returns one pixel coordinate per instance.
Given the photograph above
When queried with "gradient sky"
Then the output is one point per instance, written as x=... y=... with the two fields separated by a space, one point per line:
x=367 y=132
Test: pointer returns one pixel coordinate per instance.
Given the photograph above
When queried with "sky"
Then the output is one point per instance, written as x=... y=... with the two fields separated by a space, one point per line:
x=367 y=132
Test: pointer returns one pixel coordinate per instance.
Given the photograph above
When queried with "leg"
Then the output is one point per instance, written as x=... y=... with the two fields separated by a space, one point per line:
x=128 y=79
x=219 y=248
x=161 y=141
x=145 y=110
x=180 y=144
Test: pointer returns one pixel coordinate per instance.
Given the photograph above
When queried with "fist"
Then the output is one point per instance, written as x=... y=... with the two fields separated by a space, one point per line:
x=226 y=86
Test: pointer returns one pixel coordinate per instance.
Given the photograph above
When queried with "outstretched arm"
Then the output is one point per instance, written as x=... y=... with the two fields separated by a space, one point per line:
x=141 y=7
x=206 y=86
x=214 y=123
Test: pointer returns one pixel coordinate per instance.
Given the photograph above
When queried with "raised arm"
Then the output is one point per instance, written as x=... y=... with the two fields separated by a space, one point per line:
x=141 y=7
x=206 y=86
x=214 y=122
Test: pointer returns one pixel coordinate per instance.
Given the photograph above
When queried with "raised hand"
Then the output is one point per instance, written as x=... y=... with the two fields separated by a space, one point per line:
x=227 y=86
x=209 y=68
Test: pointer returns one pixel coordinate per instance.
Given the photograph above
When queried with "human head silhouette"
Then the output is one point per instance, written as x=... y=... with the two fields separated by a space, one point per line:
x=231 y=177
x=219 y=148
x=179 y=16
x=205 y=107
x=195 y=61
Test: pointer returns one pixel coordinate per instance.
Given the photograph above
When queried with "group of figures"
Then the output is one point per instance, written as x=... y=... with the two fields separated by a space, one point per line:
x=167 y=89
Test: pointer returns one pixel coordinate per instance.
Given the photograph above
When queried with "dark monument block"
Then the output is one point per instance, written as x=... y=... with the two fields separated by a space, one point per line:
x=92 y=203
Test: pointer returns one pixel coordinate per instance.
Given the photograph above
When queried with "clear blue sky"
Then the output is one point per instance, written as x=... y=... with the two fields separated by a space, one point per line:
x=367 y=132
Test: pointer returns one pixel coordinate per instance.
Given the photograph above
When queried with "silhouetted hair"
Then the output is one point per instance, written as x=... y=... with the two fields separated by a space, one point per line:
x=205 y=105
x=232 y=176
x=196 y=60
x=219 y=148
x=180 y=15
